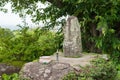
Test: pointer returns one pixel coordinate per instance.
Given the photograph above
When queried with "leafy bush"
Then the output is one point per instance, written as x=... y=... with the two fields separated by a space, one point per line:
x=118 y=71
x=27 y=44
x=99 y=69
x=113 y=49
x=14 y=76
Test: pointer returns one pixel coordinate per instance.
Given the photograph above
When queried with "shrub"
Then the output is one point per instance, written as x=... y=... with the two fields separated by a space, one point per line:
x=27 y=44
x=14 y=76
x=99 y=69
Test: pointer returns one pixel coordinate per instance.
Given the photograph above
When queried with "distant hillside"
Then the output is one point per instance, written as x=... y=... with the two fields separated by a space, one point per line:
x=12 y=27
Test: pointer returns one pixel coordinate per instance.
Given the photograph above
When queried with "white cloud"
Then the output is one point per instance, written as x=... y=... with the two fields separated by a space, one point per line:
x=9 y=19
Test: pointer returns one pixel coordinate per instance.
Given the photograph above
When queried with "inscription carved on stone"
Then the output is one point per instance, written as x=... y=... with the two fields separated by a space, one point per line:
x=72 y=46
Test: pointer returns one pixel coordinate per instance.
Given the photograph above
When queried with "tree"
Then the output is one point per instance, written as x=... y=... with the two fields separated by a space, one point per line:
x=100 y=20
x=5 y=36
x=26 y=44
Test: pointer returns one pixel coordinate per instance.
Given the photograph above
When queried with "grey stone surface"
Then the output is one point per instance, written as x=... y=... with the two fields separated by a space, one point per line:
x=55 y=70
x=38 y=71
x=72 y=46
x=8 y=69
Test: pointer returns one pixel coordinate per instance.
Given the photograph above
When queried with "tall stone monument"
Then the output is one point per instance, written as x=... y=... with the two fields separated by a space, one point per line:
x=72 y=45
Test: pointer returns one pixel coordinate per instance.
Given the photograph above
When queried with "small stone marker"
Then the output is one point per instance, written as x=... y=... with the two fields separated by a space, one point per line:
x=45 y=59
x=57 y=56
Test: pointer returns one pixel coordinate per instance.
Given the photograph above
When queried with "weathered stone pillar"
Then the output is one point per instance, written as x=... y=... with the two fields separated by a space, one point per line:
x=72 y=46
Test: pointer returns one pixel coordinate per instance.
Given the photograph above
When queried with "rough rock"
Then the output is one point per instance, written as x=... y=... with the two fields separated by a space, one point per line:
x=72 y=46
x=38 y=71
x=8 y=69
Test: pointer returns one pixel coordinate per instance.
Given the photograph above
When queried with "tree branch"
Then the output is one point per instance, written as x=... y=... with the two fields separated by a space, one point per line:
x=57 y=3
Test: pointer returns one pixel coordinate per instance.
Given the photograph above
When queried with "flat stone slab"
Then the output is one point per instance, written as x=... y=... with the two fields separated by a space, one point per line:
x=76 y=62
x=45 y=59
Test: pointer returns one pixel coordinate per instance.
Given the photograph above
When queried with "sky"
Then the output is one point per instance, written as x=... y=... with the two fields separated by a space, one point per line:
x=11 y=20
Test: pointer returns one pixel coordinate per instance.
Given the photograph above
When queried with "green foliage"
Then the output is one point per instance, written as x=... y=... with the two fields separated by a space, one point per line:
x=14 y=76
x=109 y=44
x=99 y=20
x=71 y=76
x=15 y=63
x=103 y=69
x=27 y=44
x=118 y=76
x=118 y=73
x=99 y=69
x=5 y=36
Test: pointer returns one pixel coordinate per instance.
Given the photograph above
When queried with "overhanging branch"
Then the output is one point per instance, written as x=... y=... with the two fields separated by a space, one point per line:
x=57 y=3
